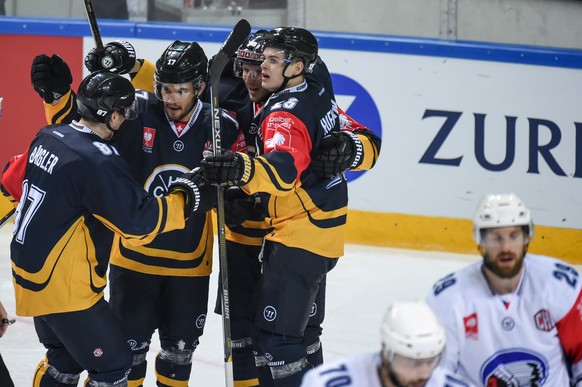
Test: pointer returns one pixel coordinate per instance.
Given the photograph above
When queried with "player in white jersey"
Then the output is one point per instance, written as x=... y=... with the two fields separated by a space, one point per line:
x=514 y=319
x=412 y=344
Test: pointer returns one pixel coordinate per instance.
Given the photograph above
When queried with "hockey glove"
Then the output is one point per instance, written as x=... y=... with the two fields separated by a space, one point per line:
x=228 y=168
x=238 y=206
x=117 y=57
x=199 y=195
x=50 y=76
x=337 y=152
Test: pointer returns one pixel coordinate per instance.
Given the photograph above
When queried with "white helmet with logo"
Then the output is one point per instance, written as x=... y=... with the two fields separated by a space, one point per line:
x=411 y=329
x=501 y=210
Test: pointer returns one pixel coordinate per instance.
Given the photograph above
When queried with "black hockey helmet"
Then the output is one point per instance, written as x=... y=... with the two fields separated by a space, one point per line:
x=296 y=42
x=250 y=51
x=101 y=93
x=181 y=62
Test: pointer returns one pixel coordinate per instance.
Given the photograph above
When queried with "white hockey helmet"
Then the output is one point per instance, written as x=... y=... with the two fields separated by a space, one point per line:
x=411 y=329
x=501 y=210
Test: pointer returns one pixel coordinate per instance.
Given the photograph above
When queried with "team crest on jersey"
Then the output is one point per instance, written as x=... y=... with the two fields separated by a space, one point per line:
x=148 y=139
x=514 y=367
x=471 y=326
x=162 y=177
x=543 y=320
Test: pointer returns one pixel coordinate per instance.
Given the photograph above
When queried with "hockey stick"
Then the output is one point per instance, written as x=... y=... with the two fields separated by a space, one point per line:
x=93 y=24
x=6 y=218
x=238 y=34
x=106 y=61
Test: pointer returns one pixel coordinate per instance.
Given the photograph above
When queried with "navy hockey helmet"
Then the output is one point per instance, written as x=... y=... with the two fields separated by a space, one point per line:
x=296 y=42
x=250 y=52
x=182 y=62
x=101 y=93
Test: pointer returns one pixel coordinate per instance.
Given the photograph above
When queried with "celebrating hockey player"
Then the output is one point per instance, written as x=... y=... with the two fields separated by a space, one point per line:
x=76 y=191
x=412 y=345
x=172 y=129
x=307 y=212
x=243 y=212
x=515 y=318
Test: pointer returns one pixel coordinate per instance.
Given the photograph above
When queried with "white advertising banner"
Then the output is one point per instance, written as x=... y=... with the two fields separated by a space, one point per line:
x=456 y=129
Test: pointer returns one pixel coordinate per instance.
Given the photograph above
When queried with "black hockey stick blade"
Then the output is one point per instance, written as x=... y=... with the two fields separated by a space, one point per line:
x=239 y=33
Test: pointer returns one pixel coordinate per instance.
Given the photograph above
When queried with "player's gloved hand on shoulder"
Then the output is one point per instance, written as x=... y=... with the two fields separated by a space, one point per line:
x=50 y=77
x=200 y=196
x=238 y=206
x=228 y=168
x=117 y=57
x=337 y=152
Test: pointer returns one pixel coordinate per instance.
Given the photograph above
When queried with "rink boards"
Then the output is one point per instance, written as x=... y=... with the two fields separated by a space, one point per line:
x=458 y=120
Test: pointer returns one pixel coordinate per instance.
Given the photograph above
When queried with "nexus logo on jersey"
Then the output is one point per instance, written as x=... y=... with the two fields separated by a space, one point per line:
x=514 y=367
x=148 y=139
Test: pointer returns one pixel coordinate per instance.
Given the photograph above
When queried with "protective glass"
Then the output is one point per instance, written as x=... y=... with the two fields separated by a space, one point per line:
x=176 y=92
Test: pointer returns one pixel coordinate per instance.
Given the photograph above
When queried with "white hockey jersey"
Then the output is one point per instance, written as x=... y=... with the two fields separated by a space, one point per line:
x=526 y=338
x=362 y=371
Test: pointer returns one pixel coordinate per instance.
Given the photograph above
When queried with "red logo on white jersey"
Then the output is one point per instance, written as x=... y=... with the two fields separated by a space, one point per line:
x=148 y=139
x=543 y=320
x=471 y=326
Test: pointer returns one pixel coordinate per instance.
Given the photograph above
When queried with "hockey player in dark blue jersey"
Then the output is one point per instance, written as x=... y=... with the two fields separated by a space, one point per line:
x=307 y=212
x=171 y=132
x=76 y=193
x=245 y=231
x=168 y=137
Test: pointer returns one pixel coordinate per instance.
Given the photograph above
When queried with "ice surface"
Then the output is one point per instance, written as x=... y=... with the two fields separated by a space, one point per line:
x=360 y=287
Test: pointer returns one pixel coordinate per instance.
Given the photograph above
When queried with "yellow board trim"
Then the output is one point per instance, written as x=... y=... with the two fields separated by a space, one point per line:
x=449 y=234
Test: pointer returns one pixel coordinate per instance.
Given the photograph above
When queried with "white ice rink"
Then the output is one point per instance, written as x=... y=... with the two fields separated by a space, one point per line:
x=360 y=287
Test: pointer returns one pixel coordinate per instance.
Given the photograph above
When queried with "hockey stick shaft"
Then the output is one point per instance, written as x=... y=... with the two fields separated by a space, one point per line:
x=240 y=31
x=6 y=218
x=93 y=24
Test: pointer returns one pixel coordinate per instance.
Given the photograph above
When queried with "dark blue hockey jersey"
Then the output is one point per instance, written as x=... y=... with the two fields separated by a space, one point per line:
x=76 y=191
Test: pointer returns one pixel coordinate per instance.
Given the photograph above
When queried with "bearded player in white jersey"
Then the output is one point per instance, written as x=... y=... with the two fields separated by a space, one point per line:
x=413 y=342
x=514 y=319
